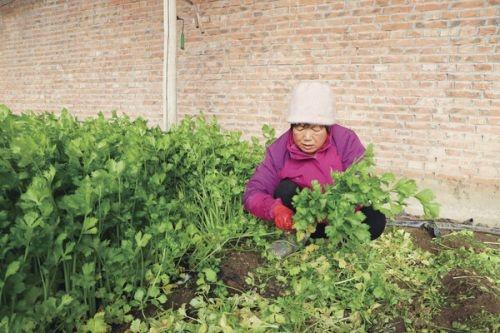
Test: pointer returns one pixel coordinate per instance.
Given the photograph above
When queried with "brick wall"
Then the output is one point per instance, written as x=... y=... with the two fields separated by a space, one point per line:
x=87 y=56
x=419 y=79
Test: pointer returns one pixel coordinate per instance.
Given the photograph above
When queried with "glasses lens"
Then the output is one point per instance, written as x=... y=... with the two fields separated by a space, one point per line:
x=302 y=127
x=299 y=127
x=317 y=128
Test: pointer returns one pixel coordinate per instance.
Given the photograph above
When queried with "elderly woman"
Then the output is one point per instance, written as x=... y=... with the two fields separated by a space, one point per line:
x=310 y=150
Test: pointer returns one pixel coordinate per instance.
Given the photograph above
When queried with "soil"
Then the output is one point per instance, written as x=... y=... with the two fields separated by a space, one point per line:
x=120 y=328
x=455 y=242
x=235 y=267
x=149 y=311
x=179 y=296
x=422 y=239
x=467 y=295
x=465 y=292
x=489 y=239
x=399 y=325
x=273 y=289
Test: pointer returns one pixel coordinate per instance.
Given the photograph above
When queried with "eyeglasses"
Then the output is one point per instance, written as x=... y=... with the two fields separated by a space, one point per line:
x=302 y=127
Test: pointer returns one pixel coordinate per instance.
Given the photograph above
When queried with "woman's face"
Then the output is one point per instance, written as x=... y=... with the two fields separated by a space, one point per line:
x=309 y=138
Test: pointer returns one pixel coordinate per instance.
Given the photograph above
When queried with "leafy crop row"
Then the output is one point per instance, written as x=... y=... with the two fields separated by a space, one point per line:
x=105 y=214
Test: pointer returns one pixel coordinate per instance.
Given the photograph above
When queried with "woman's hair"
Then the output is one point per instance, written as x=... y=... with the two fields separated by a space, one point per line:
x=307 y=125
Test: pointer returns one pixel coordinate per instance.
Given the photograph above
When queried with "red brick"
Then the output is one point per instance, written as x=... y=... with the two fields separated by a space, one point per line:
x=431 y=6
x=467 y=4
x=396 y=26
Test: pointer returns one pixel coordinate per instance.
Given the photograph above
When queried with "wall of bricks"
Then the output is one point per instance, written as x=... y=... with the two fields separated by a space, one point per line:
x=419 y=79
x=85 y=55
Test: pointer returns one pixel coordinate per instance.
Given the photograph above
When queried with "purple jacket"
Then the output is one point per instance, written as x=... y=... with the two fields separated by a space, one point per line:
x=285 y=160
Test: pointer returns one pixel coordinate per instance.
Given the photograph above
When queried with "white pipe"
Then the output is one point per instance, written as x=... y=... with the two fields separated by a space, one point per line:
x=164 y=76
x=169 y=64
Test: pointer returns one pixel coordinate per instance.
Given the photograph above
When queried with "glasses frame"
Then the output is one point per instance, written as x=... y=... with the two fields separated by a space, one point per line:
x=301 y=127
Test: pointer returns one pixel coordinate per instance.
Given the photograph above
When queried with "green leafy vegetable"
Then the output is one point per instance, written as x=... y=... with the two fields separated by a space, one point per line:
x=356 y=187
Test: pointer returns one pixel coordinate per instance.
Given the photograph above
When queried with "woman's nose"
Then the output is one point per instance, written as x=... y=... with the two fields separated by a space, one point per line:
x=308 y=135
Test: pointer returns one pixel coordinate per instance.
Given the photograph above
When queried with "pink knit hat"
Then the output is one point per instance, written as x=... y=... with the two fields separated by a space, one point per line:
x=312 y=103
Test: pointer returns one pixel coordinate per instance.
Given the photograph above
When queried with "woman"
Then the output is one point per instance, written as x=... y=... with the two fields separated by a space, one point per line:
x=310 y=150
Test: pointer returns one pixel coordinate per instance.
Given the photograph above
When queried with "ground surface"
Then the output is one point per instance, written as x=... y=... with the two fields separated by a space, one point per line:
x=467 y=295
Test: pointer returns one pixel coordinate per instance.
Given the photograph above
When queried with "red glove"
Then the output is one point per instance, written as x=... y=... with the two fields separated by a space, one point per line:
x=283 y=217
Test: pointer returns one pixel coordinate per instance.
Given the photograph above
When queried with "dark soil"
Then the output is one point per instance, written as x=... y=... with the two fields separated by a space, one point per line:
x=179 y=296
x=273 y=289
x=488 y=239
x=234 y=269
x=422 y=239
x=399 y=325
x=149 y=311
x=467 y=295
x=457 y=243
x=485 y=240
x=120 y=328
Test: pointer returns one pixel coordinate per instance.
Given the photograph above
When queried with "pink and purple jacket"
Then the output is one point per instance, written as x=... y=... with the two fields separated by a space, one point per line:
x=285 y=160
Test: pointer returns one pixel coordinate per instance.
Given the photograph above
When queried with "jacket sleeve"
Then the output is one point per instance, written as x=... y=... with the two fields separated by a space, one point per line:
x=258 y=198
x=352 y=150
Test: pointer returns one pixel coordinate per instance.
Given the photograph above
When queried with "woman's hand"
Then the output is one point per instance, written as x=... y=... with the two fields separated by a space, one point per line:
x=283 y=217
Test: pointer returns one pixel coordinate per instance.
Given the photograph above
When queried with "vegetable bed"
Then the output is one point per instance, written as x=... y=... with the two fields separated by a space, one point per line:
x=405 y=281
x=108 y=225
